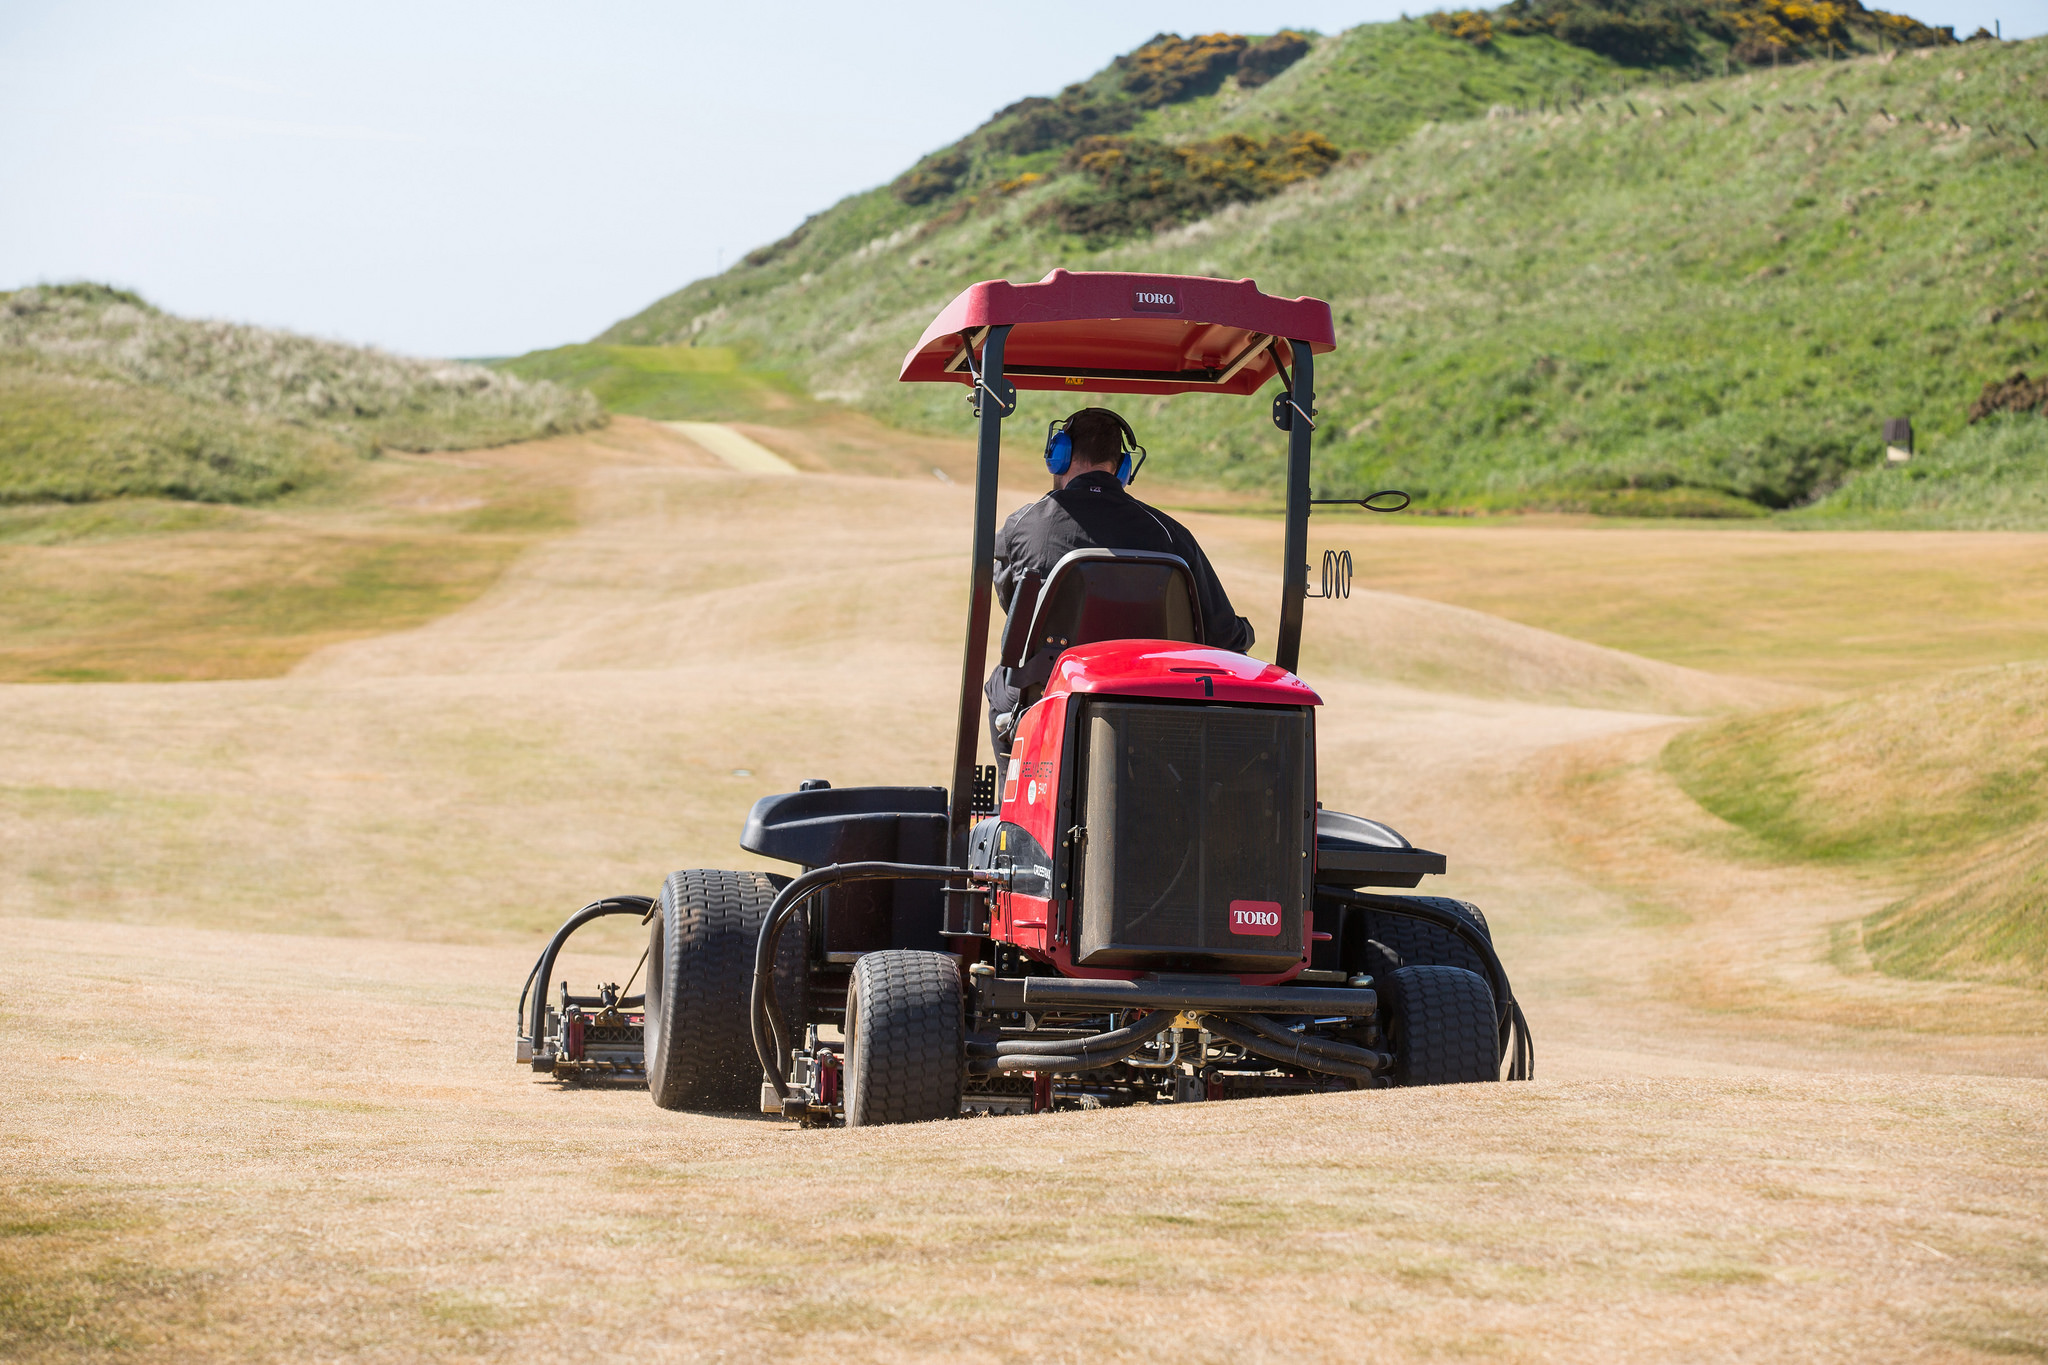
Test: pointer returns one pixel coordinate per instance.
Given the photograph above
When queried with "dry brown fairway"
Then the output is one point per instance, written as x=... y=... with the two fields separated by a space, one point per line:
x=289 y=1148
x=1830 y=609
x=312 y=1144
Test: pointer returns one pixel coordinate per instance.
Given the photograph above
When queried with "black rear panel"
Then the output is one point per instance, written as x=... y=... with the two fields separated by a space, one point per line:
x=1196 y=819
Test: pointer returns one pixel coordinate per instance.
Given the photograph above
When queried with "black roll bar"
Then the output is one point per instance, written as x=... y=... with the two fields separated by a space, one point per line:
x=1294 y=565
x=994 y=399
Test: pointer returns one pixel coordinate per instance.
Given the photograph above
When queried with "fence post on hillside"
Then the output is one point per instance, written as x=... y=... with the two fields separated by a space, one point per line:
x=1898 y=440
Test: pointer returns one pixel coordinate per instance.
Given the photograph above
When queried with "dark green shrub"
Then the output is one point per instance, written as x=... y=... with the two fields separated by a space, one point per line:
x=933 y=178
x=1630 y=41
x=762 y=255
x=1786 y=469
x=2016 y=394
x=1038 y=125
x=1268 y=57
x=1141 y=184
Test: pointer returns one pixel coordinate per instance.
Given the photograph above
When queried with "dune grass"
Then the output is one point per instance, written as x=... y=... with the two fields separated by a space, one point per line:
x=1941 y=781
x=75 y=438
x=1698 y=300
x=103 y=396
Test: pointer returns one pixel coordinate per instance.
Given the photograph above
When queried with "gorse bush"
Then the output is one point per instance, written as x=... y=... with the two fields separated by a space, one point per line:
x=107 y=396
x=1262 y=61
x=1171 y=67
x=1466 y=25
x=1142 y=184
x=1167 y=70
x=933 y=178
x=1690 y=32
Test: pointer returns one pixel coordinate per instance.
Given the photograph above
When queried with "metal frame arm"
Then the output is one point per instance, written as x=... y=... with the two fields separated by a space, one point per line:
x=995 y=399
x=1294 y=566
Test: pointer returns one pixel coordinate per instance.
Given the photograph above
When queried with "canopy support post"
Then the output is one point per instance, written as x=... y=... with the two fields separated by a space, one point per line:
x=1294 y=566
x=995 y=399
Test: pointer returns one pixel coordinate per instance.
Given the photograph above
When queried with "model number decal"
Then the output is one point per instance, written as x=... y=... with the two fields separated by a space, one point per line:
x=1034 y=778
x=1255 y=917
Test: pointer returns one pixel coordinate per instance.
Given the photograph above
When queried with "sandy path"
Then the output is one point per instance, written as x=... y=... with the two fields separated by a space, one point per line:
x=311 y=1144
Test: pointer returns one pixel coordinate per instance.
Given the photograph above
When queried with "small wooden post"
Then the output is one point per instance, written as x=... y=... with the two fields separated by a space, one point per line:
x=1898 y=440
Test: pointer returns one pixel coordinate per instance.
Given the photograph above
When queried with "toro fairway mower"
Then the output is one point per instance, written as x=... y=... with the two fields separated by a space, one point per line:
x=1149 y=904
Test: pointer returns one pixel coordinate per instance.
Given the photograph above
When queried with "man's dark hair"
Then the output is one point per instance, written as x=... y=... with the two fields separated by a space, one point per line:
x=1098 y=438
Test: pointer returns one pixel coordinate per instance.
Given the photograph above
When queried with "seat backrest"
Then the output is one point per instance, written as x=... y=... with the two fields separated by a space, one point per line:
x=1096 y=595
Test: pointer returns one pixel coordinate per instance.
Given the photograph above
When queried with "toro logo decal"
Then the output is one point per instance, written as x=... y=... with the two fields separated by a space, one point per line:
x=1255 y=917
x=1154 y=301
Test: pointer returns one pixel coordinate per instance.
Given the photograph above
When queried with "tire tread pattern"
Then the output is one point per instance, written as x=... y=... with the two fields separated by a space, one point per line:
x=700 y=1051
x=906 y=1048
x=1394 y=941
x=1442 y=1027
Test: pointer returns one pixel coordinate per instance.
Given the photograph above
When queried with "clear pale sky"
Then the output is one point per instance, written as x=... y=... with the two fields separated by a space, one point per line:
x=484 y=179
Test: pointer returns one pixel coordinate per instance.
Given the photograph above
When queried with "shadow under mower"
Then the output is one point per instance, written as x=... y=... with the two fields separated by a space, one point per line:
x=1154 y=906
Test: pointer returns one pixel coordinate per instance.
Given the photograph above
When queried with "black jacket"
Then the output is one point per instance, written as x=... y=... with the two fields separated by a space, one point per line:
x=1095 y=512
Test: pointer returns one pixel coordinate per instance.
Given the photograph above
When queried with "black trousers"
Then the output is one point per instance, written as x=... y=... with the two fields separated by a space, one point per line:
x=1003 y=700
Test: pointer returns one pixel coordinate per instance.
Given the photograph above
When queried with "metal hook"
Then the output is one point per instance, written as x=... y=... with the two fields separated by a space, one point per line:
x=1369 y=502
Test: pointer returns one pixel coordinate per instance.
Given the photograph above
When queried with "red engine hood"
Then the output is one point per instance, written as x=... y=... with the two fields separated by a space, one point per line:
x=1175 y=669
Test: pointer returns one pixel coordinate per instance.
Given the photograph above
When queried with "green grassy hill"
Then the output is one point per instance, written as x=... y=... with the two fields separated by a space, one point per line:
x=103 y=396
x=705 y=383
x=1563 y=278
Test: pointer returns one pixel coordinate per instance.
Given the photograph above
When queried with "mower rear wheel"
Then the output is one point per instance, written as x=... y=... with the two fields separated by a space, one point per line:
x=700 y=970
x=906 y=1046
x=1395 y=941
x=1442 y=1025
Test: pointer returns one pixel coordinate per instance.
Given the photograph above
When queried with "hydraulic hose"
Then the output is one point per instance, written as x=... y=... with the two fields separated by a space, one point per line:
x=1514 y=1043
x=1069 y=1054
x=1308 y=1047
x=770 y=1047
x=1236 y=1030
x=544 y=969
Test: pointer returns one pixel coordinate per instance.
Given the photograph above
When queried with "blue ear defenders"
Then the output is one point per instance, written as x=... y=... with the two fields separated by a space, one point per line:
x=1059 y=446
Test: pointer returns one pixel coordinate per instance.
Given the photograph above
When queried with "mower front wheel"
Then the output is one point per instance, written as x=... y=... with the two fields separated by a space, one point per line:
x=906 y=1043
x=1443 y=1026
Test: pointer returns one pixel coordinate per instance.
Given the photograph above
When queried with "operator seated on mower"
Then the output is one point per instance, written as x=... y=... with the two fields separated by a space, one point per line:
x=1090 y=456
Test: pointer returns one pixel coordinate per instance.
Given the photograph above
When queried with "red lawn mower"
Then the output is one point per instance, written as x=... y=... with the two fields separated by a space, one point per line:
x=1153 y=907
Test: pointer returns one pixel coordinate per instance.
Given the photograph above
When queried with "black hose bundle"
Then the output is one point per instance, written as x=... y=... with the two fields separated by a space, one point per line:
x=544 y=967
x=770 y=1047
x=1257 y=1033
x=1067 y=1054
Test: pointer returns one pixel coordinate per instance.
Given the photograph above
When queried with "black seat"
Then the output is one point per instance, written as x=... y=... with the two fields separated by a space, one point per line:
x=1089 y=597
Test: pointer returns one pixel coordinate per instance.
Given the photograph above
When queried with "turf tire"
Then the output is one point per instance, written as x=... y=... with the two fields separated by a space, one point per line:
x=700 y=970
x=906 y=1044
x=1395 y=941
x=1442 y=1025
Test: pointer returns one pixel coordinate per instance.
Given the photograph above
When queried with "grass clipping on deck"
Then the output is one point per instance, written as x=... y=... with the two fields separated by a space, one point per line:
x=1943 y=781
x=103 y=396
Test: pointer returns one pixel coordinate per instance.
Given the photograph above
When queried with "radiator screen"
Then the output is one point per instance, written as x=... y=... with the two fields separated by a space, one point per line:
x=1196 y=820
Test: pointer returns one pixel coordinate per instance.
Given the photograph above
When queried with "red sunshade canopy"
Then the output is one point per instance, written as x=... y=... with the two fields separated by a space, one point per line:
x=1105 y=332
